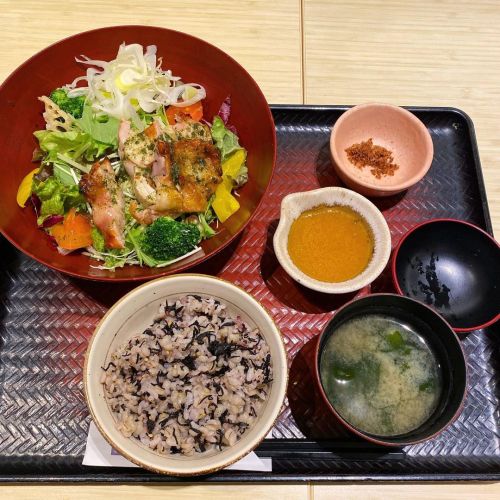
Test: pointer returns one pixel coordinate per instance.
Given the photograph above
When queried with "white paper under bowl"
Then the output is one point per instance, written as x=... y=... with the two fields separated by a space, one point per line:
x=130 y=316
x=294 y=204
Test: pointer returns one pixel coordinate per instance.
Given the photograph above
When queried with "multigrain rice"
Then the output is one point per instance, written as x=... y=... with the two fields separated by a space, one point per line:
x=194 y=381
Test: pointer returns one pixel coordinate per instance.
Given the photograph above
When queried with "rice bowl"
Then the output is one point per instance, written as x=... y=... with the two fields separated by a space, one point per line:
x=195 y=380
x=243 y=395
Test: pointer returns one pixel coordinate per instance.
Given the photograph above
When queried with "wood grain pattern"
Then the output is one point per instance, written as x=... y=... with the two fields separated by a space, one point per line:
x=249 y=31
x=408 y=491
x=156 y=492
x=370 y=491
x=425 y=53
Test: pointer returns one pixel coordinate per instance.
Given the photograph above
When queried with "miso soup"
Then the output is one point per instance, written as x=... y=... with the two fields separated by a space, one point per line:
x=380 y=375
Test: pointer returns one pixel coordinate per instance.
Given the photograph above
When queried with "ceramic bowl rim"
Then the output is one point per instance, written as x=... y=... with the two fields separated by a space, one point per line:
x=348 y=169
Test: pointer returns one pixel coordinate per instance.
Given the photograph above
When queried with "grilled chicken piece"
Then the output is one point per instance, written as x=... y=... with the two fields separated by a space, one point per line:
x=144 y=188
x=192 y=172
x=174 y=169
x=199 y=172
x=144 y=216
x=140 y=149
x=141 y=159
x=189 y=129
x=124 y=133
x=145 y=185
x=106 y=198
x=168 y=198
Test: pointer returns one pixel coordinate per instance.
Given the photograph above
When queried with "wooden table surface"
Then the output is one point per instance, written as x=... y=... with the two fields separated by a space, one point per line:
x=426 y=52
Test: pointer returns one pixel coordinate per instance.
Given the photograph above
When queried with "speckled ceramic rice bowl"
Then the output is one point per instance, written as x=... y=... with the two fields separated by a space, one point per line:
x=185 y=375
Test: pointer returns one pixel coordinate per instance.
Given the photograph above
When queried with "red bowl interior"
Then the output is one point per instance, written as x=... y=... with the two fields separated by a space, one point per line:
x=188 y=57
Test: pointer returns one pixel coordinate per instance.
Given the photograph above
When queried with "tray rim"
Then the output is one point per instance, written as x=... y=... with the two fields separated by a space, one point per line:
x=117 y=475
x=249 y=477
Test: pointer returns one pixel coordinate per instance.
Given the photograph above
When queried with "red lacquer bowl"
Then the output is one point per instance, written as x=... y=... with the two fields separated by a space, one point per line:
x=188 y=57
x=454 y=267
x=440 y=337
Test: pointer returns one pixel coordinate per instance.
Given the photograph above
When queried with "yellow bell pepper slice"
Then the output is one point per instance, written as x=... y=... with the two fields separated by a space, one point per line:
x=225 y=204
x=232 y=165
x=24 y=190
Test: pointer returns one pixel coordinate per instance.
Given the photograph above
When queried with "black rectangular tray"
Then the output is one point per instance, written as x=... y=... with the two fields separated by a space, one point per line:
x=47 y=318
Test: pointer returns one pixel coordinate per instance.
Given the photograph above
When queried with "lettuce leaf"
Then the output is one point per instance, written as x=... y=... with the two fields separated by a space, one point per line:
x=105 y=132
x=136 y=237
x=148 y=118
x=93 y=138
x=98 y=240
x=66 y=174
x=56 y=198
x=225 y=140
x=73 y=144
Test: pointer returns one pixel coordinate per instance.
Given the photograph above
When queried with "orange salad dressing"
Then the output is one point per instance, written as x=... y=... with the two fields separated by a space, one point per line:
x=331 y=243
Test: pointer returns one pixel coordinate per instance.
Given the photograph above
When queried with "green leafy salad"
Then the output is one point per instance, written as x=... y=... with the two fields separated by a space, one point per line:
x=130 y=170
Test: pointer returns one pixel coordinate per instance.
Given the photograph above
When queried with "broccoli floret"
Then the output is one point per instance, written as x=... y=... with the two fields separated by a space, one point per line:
x=72 y=105
x=59 y=96
x=166 y=239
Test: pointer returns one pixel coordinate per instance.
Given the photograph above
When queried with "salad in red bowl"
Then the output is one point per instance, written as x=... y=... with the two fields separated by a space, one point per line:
x=130 y=171
x=141 y=167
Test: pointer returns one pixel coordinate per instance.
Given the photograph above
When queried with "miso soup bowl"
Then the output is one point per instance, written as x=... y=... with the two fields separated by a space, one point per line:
x=440 y=337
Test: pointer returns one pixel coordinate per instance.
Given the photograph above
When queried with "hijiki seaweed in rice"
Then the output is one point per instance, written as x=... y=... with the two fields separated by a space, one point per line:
x=194 y=381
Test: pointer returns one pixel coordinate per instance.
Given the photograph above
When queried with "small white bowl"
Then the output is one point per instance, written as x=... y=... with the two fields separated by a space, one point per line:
x=294 y=204
x=131 y=315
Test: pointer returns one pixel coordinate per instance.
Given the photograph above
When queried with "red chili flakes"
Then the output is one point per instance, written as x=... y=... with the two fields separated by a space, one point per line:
x=367 y=154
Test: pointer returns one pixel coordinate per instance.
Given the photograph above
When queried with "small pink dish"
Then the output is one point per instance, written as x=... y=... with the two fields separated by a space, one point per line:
x=391 y=127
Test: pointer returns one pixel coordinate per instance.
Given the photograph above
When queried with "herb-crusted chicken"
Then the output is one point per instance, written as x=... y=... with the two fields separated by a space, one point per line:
x=199 y=172
x=175 y=169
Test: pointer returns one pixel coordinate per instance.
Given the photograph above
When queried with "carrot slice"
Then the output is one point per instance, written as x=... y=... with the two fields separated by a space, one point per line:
x=74 y=232
x=194 y=111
